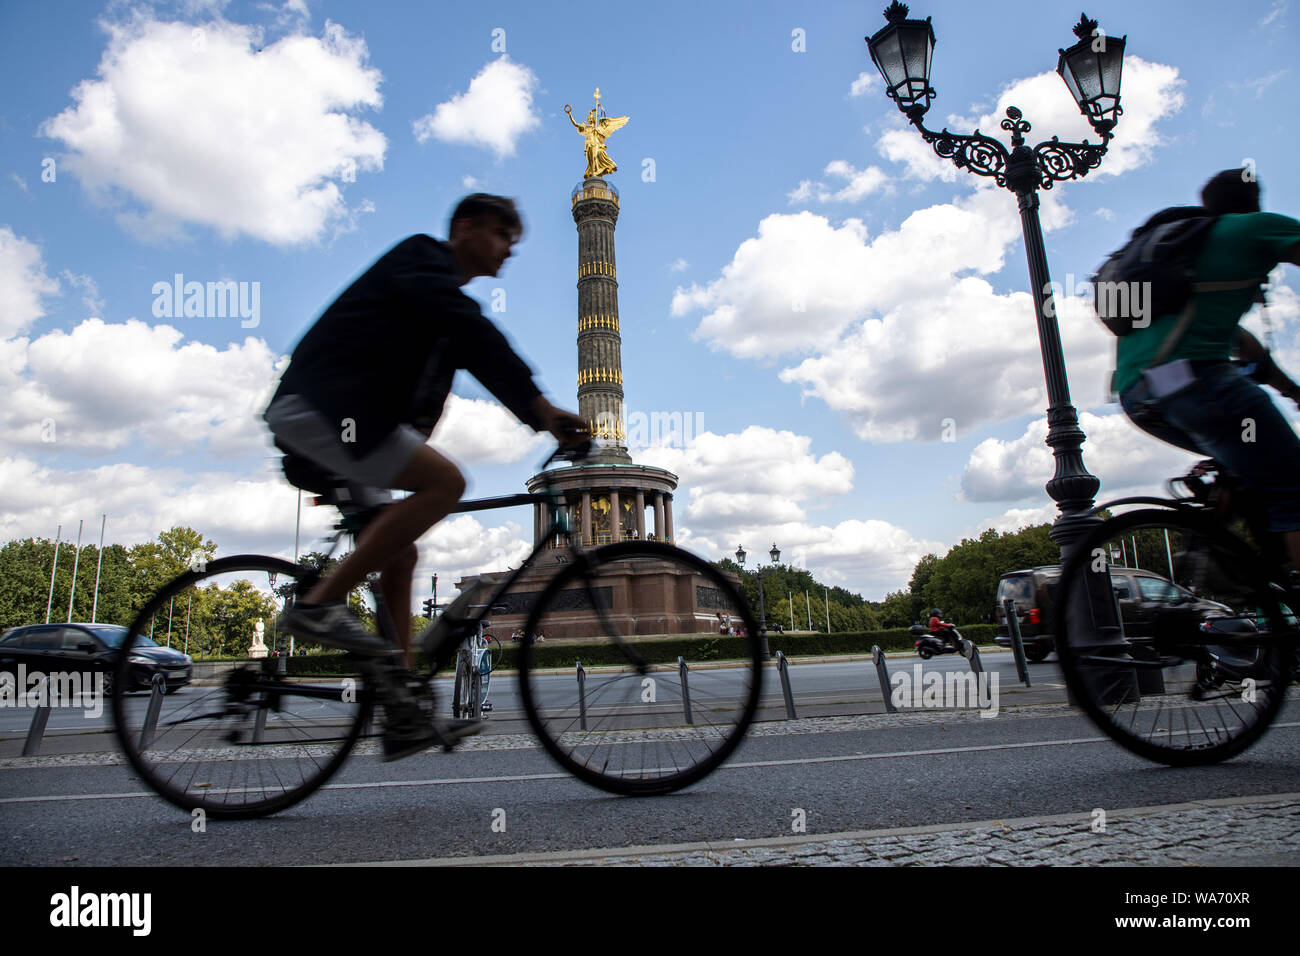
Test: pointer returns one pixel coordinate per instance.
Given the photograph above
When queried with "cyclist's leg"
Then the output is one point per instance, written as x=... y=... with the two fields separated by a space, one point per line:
x=437 y=486
x=1234 y=420
x=395 y=582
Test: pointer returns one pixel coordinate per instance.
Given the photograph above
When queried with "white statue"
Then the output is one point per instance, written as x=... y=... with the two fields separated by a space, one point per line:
x=258 y=648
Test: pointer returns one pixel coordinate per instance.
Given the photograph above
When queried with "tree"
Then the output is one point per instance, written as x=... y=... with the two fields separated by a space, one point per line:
x=896 y=610
x=963 y=583
x=223 y=619
x=25 y=567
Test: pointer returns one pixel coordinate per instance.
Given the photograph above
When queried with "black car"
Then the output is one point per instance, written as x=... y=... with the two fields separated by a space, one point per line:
x=87 y=648
x=1140 y=594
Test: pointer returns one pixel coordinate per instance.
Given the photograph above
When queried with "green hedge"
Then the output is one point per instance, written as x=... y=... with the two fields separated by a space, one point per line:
x=694 y=649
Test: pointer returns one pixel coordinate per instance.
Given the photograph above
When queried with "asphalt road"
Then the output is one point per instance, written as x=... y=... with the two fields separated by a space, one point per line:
x=503 y=795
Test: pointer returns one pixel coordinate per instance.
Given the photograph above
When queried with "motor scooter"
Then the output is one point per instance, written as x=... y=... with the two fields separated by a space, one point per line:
x=947 y=641
x=1225 y=662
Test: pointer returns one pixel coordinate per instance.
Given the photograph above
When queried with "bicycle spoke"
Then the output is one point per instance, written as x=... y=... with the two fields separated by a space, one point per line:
x=645 y=730
x=1195 y=600
x=203 y=753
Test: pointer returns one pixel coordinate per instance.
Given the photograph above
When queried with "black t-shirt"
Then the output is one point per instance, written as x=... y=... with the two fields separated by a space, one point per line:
x=385 y=352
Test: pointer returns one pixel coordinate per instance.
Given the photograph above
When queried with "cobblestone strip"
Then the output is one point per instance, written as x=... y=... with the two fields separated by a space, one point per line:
x=1236 y=831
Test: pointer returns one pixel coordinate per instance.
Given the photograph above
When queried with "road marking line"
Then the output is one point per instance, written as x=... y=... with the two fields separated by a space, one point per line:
x=734 y=765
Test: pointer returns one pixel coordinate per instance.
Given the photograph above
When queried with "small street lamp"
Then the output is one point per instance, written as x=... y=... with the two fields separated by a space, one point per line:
x=775 y=555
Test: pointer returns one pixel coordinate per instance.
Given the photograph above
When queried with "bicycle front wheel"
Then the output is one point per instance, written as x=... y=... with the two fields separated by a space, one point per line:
x=243 y=740
x=1199 y=667
x=633 y=690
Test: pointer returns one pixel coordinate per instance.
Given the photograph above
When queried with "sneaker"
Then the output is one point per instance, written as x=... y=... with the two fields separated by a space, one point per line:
x=440 y=733
x=333 y=625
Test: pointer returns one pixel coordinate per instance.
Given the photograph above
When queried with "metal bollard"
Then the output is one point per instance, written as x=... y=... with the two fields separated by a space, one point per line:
x=582 y=696
x=882 y=672
x=972 y=655
x=36 y=732
x=259 y=720
x=686 y=690
x=151 y=714
x=783 y=667
x=1017 y=642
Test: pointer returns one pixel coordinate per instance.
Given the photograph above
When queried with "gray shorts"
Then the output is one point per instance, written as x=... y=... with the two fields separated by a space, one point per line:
x=306 y=431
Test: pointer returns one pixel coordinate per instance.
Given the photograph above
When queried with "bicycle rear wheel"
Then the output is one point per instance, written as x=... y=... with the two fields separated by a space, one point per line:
x=1200 y=667
x=633 y=691
x=245 y=741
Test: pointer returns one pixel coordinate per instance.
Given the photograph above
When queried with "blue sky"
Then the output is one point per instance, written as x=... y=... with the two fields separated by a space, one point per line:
x=897 y=408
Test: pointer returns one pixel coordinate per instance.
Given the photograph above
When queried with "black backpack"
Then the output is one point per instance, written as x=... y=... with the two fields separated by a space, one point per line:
x=1154 y=273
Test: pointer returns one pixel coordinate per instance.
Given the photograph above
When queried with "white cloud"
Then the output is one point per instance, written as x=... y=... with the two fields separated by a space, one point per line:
x=860 y=183
x=678 y=265
x=469 y=182
x=1151 y=92
x=863 y=84
x=106 y=385
x=90 y=289
x=477 y=431
x=895 y=347
x=1259 y=85
x=462 y=545
x=190 y=124
x=1276 y=11
x=1121 y=455
x=19 y=182
x=773 y=468
x=904 y=145
x=757 y=486
x=23 y=283
x=243 y=511
x=492 y=114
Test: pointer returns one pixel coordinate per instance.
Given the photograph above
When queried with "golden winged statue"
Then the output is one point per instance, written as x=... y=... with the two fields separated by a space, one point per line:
x=593 y=133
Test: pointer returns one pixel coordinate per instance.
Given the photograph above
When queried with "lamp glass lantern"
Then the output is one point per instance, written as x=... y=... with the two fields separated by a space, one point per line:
x=740 y=555
x=903 y=51
x=1091 y=70
x=775 y=553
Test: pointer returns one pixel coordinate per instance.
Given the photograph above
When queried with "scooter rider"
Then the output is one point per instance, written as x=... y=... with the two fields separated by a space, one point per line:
x=942 y=629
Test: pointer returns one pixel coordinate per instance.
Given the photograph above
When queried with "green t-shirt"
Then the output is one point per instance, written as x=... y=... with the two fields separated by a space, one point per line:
x=1239 y=246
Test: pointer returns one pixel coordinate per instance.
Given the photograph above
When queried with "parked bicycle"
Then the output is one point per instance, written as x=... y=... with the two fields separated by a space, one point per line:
x=634 y=718
x=1200 y=675
x=475 y=660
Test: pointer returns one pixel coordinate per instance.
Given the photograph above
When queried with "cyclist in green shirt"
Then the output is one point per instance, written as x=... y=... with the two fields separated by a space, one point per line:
x=1196 y=398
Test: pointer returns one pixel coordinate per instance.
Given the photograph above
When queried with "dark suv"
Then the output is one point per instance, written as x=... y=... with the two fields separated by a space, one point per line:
x=87 y=648
x=1141 y=595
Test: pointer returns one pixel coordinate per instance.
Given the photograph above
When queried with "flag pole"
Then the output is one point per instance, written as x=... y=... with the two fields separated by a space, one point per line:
x=50 y=603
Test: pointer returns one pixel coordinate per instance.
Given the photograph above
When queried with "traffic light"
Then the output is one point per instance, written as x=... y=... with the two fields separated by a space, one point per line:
x=428 y=608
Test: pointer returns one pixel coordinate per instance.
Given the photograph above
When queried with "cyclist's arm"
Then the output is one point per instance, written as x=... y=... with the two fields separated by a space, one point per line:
x=1252 y=350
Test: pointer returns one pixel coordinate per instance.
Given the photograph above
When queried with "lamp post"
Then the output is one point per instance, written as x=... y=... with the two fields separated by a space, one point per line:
x=1091 y=69
x=902 y=51
x=775 y=555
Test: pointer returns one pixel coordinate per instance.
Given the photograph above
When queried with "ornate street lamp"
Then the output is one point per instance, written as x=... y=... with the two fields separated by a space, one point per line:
x=775 y=554
x=1091 y=69
x=903 y=51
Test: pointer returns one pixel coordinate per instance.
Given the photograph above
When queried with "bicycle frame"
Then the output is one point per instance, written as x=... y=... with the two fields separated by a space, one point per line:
x=558 y=524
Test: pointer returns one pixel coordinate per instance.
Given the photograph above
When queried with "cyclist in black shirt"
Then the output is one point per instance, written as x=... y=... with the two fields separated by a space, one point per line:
x=365 y=387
